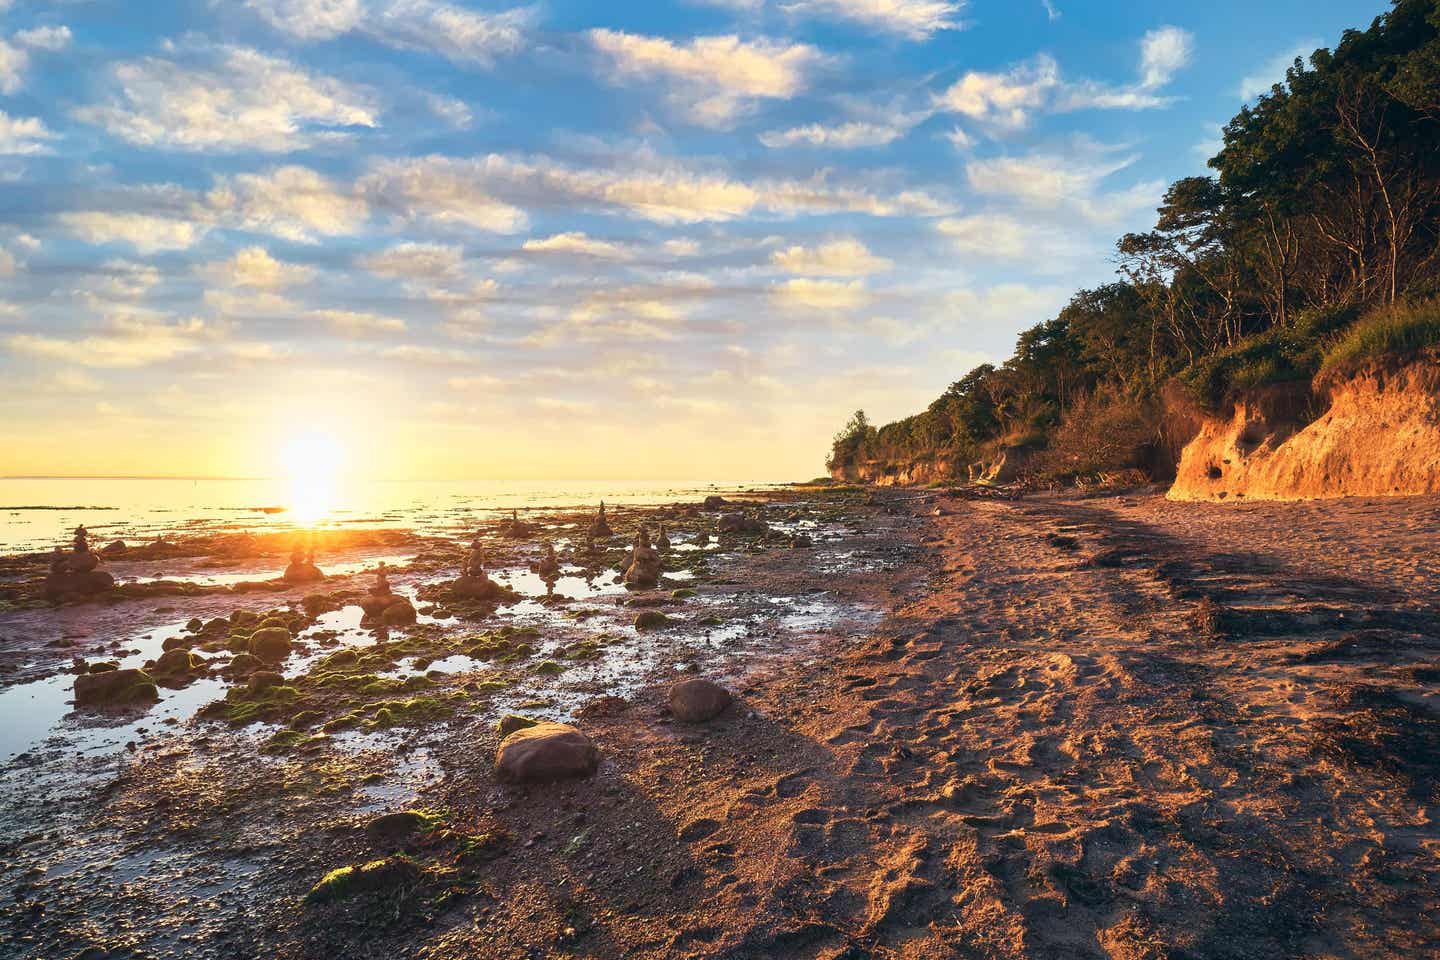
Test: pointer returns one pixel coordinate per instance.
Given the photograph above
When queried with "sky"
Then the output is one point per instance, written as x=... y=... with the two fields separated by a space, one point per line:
x=458 y=239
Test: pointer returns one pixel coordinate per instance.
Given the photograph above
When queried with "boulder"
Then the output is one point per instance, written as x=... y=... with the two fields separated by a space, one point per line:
x=244 y=663
x=544 y=753
x=387 y=875
x=401 y=613
x=741 y=523
x=113 y=687
x=696 y=700
x=117 y=548
x=177 y=660
x=271 y=644
x=303 y=571
x=85 y=584
x=650 y=620
x=262 y=680
x=714 y=502
x=513 y=721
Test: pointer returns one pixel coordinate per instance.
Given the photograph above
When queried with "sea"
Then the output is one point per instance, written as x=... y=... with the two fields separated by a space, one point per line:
x=40 y=513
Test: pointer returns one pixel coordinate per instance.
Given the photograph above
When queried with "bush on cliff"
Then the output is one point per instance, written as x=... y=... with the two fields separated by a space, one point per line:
x=1399 y=330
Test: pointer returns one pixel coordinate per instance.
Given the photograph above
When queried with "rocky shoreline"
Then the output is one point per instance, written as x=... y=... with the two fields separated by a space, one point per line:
x=1052 y=726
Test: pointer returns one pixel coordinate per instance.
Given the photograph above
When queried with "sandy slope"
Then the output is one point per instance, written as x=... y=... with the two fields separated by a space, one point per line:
x=1114 y=729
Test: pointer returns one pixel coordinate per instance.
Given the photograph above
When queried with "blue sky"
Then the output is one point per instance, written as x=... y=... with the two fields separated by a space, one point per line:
x=568 y=239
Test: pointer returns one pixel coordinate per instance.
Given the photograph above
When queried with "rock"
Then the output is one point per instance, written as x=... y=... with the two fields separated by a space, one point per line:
x=643 y=569
x=177 y=661
x=262 y=680
x=243 y=663
x=513 y=721
x=714 y=502
x=87 y=584
x=115 y=687
x=401 y=613
x=303 y=572
x=195 y=625
x=517 y=529
x=600 y=527
x=117 y=548
x=696 y=700
x=741 y=523
x=544 y=753
x=392 y=828
x=271 y=644
x=801 y=542
x=177 y=643
x=650 y=620
x=102 y=666
x=390 y=873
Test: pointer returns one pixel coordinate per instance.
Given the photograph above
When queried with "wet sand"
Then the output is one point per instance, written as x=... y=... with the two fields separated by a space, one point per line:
x=1055 y=727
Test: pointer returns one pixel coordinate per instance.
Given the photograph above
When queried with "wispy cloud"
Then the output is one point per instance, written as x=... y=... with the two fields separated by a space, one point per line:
x=711 y=79
x=227 y=99
x=912 y=19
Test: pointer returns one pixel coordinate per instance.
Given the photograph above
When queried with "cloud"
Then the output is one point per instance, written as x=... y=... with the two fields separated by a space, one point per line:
x=310 y=19
x=1051 y=11
x=126 y=280
x=1010 y=99
x=147 y=234
x=488 y=192
x=712 y=78
x=1045 y=247
x=359 y=323
x=445 y=190
x=1273 y=71
x=577 y=244
x=1164 y=52
x=45 y=38
x=1068 y=180
x=230 y=98
x=459 y=34
x=417 y=261
x=1004 y=99
x=23 y=136
x=123 y=342
x=845 y=136
x=254 y=267
x=820 y=294
x=1015 y=305
x=989 y=235
x=912 y=19
x=291 y=202
x=840 y=258
x=13 y=63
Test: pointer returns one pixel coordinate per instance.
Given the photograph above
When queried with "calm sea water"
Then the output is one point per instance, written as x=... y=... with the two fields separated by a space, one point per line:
x=39 y=513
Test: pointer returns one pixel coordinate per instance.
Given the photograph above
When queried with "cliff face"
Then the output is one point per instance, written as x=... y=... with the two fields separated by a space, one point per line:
x=1378 y=435
x=915 y=473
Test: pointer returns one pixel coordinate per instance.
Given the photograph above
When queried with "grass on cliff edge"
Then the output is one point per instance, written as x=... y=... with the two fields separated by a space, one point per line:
x=1400 y=330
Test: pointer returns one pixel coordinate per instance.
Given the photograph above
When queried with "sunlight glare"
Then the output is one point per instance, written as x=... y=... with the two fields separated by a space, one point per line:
x=312 y=464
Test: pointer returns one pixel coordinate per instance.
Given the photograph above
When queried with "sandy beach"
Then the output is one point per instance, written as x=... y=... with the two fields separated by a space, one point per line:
x=1050 y=727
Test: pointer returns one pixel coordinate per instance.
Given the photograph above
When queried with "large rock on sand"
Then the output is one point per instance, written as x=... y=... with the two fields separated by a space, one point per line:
x=113 y=687
x=696 y=700
x=546 y=752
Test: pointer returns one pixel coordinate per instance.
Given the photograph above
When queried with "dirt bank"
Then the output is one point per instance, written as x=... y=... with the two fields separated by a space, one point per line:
x=1378 y=435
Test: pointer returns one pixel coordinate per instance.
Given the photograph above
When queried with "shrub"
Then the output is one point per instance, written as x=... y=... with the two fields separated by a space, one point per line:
x=1278 y=355
x=1101 y=433
x=1398 y=330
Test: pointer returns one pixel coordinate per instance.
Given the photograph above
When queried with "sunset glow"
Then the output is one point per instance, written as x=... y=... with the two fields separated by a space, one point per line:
x=313 y=461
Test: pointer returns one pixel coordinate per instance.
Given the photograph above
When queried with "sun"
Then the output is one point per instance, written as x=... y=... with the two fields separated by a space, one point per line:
x=312 y=460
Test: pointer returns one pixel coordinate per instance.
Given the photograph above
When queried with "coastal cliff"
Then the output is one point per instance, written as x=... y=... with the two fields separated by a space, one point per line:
x=1377 y=433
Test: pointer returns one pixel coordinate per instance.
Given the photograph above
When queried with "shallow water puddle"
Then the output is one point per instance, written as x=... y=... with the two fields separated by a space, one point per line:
x=264 y=574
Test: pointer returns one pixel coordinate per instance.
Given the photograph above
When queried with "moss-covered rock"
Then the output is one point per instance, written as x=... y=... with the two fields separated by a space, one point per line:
x=391 y=874
x=271 y=644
